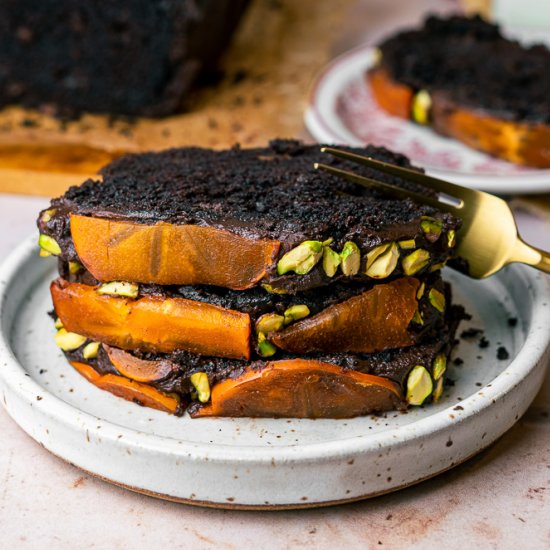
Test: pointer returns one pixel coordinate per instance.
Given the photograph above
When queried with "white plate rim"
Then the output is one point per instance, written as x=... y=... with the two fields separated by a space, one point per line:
x=324 y=124
x=13 y=376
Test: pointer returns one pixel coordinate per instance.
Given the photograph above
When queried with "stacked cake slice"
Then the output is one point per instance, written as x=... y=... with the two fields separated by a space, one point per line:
x=245 y=283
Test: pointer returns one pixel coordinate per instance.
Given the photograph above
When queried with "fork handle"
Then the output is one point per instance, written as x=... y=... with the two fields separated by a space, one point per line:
x=531 y=255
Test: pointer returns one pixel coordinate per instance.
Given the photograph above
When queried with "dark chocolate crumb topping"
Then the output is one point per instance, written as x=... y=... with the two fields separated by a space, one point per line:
x=270 y=192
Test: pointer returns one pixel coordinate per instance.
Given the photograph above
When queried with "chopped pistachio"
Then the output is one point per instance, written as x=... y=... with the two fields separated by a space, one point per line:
x=431 y=227
x=265 y=348
x=119 y=288
x=74 y=267
x=439 y=366
x=68 y=341
x=90 y=350
x=202 y=385
x=417 y=318
x=331 y=261
x=375 y=252
x=420 y=291
x=451 y=238
x=437 y=299
x=295 y=313
x=419 y=385
x=351 y=259
x=49 y=244
x=408 y=244
x=421 y=105
x=438 y=391
x=301 y=259
x=270 y=322
x=384 y=263
x=415 y=261
x=272 y=290
x=328 y=241
x=43 y=254
x=47 y=215
x=58 y=324
x=437 y=267
x=376 y=56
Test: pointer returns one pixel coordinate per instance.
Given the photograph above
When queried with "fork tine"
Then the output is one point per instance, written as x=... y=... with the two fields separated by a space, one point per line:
x=437 y=184
x=385 y=188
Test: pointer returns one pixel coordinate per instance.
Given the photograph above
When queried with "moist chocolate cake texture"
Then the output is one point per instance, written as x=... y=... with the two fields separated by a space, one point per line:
x=471 y=61
x=271 y=194
x=349 y=314
x=136 y=57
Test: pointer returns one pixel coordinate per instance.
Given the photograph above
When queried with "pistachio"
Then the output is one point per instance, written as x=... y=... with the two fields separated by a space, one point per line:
x=421 y=105
x=68 y=341
x=74 y=267
x=295 y=313
x=451 y=238
x=331 y=261
x=202 y=385
x=49 y=244
x=438 y=391
x=420 y=291
x=90 y=350
x=415 y=261
x=119 y=288
x=301 y=259
x=419 y=385
x=58 y=324
x=272 y=290
x=437 y=299
x=417 y=318
x=270 y=322
x=265 y=348
x=47 y=215
x=382 y=264
x=439 y=366
x=432 y=228
x=376 y=56
x=437 y=267
x=408 y=244
x=43 y=254
x=351 y=259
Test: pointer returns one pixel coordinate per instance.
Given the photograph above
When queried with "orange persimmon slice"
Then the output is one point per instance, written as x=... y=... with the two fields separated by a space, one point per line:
x=152 y=323
x=373 y=321
x=393 y=97
x=300 y=388
x=169 y=254
x=129 y=390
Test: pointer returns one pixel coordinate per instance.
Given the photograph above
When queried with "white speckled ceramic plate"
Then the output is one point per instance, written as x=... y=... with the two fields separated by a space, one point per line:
x=271 y=463
x=342 y=110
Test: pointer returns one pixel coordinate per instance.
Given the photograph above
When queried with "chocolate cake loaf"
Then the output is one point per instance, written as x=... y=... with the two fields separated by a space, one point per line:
x=464 y=78
x=161 y=299
x=136 y=57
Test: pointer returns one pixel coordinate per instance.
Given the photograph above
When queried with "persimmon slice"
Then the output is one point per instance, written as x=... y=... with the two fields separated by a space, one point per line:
x=130 y=390
x=300 y=388
x=393 y=97
x=152 y=323
x=140 y=370
x=373 y=321
x=170 y=254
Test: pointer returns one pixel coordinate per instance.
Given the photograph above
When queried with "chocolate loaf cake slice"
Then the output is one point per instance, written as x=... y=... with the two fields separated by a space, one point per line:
x=462 y=77
x=135 y=57
x=244 y=217
x=244 y=325
x=312 y=386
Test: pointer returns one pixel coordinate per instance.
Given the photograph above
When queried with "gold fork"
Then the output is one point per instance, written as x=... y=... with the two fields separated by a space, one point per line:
x=488 y=239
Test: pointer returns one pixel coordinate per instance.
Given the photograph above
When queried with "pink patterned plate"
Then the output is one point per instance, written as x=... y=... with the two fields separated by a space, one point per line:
x=342 y=110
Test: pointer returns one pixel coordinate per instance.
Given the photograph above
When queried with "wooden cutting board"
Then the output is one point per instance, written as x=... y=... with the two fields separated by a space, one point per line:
x=268 y=69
